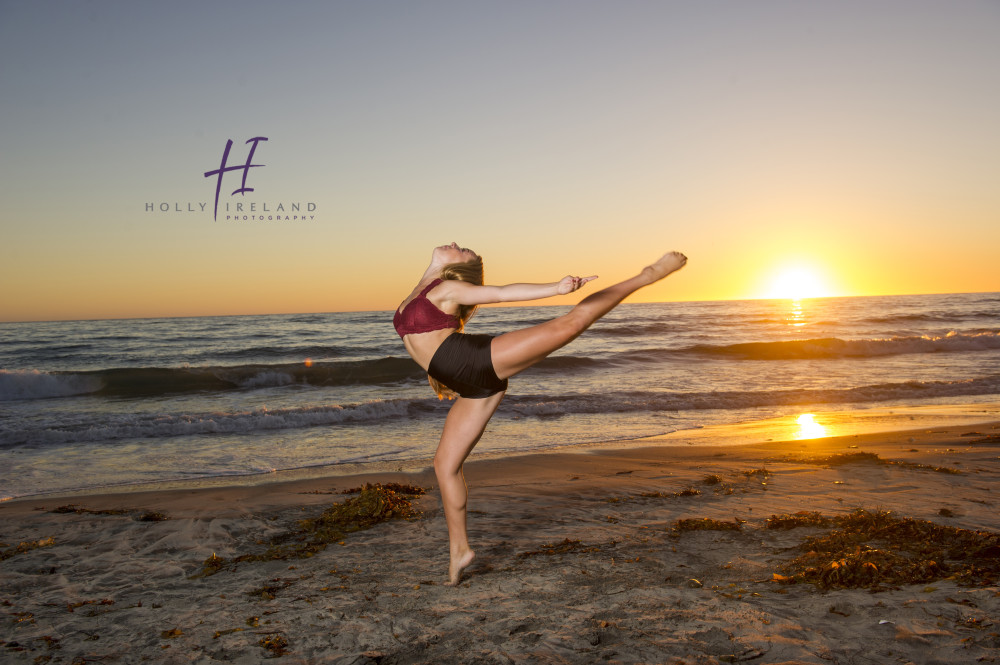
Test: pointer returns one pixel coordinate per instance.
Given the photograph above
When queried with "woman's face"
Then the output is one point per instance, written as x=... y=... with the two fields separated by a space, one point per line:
x=454 y=254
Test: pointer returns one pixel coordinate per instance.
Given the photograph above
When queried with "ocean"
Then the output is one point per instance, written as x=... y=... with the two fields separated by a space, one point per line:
x=88 y=405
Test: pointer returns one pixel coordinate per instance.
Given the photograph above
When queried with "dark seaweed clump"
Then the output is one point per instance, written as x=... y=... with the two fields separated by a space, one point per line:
x=140 y=516
x=860 y=457
x=877 y=550
x=564 y=547
x=276 y=644
x=704 y=524
x=802 y=518
x=671 y=495
x=26 y=546
x=374 y=504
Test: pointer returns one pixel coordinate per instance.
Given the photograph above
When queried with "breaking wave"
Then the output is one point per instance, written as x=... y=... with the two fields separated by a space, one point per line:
x=156 y=426
x=110 y=427
x=832 y=347
x=154 y=381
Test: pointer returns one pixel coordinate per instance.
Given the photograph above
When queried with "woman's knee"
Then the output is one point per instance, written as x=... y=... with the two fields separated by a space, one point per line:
x=574 y=322
x=444 y=467
x=446 y=459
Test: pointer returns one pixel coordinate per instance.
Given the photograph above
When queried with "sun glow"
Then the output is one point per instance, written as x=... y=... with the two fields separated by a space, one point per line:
x=796 y=283
x=809 y=428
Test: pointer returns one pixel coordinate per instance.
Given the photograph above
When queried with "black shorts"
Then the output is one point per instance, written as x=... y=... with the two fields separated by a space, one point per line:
x=464 y=364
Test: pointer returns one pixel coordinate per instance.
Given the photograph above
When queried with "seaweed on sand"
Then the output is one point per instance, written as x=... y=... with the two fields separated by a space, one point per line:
x=563 y=547
x=143 y=516
x=374 y=504
x=762 y=472
x=655 y=495
x=398 y=488
x=704 y=524
x=26 y=546
x=861 y=457
x=276 y=644
x=803 y=518
x=838 y=459
x=671 y=495
x=877 y=550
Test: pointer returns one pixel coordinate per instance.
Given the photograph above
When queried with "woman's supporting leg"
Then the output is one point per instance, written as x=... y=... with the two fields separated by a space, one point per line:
x=516 y=351
x=463 y=427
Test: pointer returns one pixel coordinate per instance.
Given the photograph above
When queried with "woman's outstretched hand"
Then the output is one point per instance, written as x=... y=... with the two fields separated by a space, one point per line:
x=569 y=284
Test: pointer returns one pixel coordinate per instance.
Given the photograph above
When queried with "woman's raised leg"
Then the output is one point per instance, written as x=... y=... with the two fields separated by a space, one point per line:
x=463 y=427
x=516 y=351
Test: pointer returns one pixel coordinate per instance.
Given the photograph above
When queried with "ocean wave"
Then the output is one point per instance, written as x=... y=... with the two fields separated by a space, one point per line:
x=832 y=347
x=154 y=381
x=106 y=428
x=102 y=427
x=308 y=318
x=33 y=384
x=625 y=402
x=932 y=317
x=639 y=330
x=147 y=382
x=569 y=364
x=286 y=352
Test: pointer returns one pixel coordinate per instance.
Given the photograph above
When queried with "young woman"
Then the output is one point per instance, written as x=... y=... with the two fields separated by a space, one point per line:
x=475 y=368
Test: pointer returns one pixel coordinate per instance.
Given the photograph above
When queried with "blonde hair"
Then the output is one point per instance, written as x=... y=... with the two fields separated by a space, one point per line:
x=466 y=271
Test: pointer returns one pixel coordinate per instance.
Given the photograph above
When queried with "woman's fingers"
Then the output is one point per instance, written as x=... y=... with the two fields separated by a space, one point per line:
x=571 y=283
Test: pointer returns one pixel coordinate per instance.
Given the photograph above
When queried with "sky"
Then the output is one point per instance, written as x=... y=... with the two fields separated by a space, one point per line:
x=855 y=142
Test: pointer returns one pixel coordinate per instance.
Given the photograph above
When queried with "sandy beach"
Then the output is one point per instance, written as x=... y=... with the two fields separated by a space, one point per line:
x=653 y=554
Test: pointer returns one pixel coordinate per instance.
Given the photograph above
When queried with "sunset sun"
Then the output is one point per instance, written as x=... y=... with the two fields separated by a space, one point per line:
x=797 y=282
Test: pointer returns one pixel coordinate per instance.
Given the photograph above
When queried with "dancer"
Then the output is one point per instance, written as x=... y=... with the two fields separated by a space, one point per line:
x=474 y=368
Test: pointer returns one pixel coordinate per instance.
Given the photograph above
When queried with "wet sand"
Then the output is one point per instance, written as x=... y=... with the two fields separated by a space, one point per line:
x=579 y=561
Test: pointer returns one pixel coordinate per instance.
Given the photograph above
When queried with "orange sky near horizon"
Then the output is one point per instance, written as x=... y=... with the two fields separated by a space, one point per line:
x=855 y=143
x=226 y=288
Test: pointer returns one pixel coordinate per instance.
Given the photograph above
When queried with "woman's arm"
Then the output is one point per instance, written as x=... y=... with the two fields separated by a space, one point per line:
x=464 y=293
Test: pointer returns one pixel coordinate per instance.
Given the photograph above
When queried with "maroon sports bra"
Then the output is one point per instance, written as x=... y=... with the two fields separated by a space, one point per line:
x=421 y=315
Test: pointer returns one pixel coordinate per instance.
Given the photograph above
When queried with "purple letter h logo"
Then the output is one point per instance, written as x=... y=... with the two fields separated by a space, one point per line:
x=223 y=168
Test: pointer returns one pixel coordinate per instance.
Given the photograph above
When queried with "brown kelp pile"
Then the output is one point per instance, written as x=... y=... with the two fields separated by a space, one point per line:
x=703 y=524
x=138 y=515
x=655 y=495
x=373 y=505
x=802 y=518
x=671 y=495
x=878 y=550
x=860 y=457
x=25 y=546
x=564 y=547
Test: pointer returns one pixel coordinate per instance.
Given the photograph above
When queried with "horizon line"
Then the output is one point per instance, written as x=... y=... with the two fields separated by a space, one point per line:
x=526 y=304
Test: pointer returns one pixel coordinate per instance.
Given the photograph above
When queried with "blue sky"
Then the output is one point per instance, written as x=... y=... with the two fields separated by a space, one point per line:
x=859 y=139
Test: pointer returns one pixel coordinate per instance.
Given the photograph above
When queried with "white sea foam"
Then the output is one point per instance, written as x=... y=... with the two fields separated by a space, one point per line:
x=267 y=380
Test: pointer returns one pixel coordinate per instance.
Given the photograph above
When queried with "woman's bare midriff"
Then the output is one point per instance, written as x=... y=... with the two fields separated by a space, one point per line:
x=422 y=346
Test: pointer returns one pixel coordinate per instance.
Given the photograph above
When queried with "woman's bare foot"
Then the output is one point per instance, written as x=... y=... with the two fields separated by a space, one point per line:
x=668 y=263
x=457 y=566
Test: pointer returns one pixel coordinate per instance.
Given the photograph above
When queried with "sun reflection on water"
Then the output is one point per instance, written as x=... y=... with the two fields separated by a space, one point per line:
x=809 y=428
x=796 y=317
